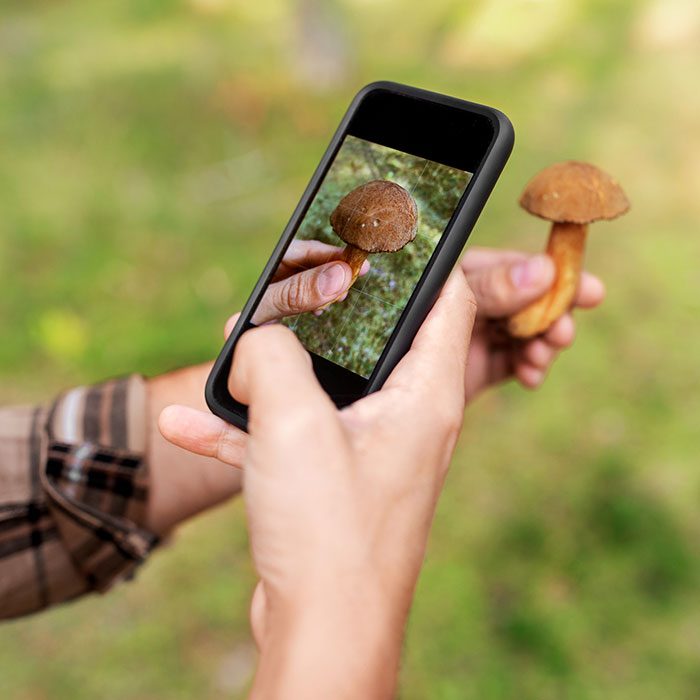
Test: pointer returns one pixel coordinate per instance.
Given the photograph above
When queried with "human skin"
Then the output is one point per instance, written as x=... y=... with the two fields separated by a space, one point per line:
x=184 y=484
x=339 y=503
x=503 y=282
x=304 y=620
x=310 y=277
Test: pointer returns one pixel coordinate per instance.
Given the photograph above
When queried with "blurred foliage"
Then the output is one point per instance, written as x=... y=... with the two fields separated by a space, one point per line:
x=353 y=333
x=150 y=155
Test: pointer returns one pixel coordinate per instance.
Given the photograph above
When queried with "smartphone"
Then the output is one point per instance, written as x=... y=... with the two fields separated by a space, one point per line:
x=395 y=197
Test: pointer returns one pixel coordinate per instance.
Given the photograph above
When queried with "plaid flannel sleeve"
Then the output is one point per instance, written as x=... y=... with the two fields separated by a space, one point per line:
x=74 y=487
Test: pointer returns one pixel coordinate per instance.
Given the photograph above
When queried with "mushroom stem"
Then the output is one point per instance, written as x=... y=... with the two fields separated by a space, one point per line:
x=354 y=257
x=566 y=248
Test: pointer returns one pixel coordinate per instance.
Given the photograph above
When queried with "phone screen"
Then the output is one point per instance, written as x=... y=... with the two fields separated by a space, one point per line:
x=382 y=213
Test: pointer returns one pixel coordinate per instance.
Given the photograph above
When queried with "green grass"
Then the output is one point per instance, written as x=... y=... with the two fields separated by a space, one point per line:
x=150 y=155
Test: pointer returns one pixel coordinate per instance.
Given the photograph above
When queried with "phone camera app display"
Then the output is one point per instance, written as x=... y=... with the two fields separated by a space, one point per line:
x=359 y=252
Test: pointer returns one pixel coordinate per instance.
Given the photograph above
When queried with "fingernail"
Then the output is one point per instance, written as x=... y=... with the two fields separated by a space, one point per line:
x=365 y=268
x=530 y=272
x=333 y=280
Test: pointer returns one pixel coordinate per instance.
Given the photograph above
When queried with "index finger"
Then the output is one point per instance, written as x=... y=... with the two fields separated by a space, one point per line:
x=272 y=374
x=302 y=255
x=476 y=257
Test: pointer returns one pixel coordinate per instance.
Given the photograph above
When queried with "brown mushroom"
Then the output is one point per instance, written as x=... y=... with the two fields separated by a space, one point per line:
x=377 y=217
x=571 y=195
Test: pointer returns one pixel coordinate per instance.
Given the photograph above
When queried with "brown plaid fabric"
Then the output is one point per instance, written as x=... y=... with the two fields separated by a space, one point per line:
x=73 y=495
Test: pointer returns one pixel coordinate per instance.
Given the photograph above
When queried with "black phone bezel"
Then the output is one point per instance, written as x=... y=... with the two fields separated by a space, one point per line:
x=448 y=130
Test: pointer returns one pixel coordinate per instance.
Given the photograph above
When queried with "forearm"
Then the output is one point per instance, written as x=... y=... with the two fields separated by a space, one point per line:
x=88 y=482
x=182 y=483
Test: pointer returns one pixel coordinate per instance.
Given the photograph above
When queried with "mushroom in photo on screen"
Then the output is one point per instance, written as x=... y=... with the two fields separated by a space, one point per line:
x=377 y=217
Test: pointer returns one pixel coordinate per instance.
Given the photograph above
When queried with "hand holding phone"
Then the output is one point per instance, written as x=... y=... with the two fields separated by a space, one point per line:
x=400 y=186
x=339 y=503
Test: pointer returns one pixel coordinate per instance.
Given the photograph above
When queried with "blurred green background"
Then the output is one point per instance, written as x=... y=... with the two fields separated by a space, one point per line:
x=150 y=154
x=354 y=332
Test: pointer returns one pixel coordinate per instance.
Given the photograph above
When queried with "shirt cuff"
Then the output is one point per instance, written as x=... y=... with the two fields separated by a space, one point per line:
x=96 y=478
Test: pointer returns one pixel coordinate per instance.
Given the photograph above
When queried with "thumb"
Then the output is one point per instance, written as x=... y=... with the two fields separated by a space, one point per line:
x=203 y=434
x=305 y=291
x=501 y=290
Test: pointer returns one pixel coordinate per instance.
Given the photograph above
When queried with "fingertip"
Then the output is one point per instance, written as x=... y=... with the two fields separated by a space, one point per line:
x=562 y=333
x=365 y=268
x=264 y=333
x=166 y=419
x=529 y=377
x=538 y=353
x=181 y=425
x=270 y=339
x=229 y=325
x=591 y=291
x=264 y=355
x=202 y=433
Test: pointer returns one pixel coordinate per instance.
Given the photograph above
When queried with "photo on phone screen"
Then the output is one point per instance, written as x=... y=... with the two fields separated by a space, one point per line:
x=382 y=212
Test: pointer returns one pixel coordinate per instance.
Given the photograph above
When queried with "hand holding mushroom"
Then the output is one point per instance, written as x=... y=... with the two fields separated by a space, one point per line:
x=377 y=217
x=504 y=282
x=571 y=195
x=311 y=275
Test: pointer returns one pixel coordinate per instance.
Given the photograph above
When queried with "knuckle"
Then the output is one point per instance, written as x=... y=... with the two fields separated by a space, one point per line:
x=293 y=293
x=227 y=446
x=469 y=297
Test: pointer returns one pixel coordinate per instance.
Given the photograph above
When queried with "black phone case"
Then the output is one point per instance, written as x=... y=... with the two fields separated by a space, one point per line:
x=437 y=270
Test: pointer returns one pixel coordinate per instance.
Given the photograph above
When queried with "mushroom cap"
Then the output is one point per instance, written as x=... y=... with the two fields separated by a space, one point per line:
x=377 y=217
x=574 y=192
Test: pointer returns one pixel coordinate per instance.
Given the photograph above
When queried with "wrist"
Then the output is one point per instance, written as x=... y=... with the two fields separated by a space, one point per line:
x=183 y=483
x=331 y=643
